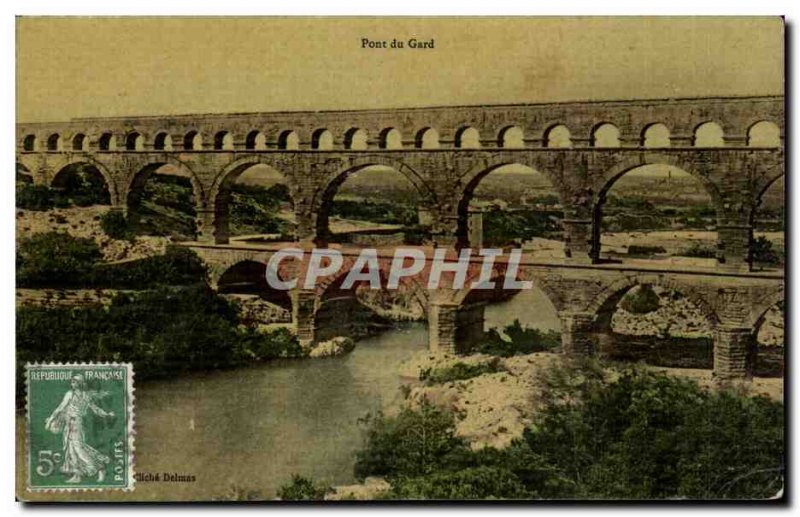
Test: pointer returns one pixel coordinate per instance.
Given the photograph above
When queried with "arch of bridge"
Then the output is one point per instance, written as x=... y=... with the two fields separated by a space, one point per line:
x=221 y=261
x=763 y=183
x=764 y=304
x=609 y=296
x=328 y=283
x=550 y=288
x=606 y=177
x=437 y=176
x=283 y=164
x=141 y=168
x=539 y=162
x=69 y=160
x=338 y=172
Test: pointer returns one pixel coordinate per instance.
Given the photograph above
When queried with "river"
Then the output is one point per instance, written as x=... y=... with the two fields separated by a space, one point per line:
x=253 y=428
x=248 y=430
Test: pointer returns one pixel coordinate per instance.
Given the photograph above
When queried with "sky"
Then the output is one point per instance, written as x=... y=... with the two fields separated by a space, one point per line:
x=82 y=67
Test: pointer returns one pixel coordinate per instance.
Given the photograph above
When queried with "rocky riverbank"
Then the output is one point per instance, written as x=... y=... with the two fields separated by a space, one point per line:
x=494 y=408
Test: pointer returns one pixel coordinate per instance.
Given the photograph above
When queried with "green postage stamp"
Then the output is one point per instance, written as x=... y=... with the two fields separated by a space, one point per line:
x=80 y=426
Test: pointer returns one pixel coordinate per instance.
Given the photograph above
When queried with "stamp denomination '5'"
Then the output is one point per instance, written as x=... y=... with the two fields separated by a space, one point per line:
x=80 y=426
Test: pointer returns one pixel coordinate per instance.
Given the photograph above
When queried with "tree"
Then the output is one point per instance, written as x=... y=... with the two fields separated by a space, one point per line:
x=55 y=259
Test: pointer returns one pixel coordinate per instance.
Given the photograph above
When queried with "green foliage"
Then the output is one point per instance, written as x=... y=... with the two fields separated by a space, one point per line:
x=166 y=208
x=482 y=482
x=272 y=197
x=638 y=213
x=629 y=203
x=631 y=435
x=502 y=228
x=645 y=250
x=413 y=443
x=763 y=252
x=163 y=332
x=115 y=225
x=651 y=436
x=700 y=251
x=384 y=212
x=23 y=175
x=280 y=343
x=641 y=300
x=177 y=266
x=254 y=208
x=416 y=236
x=546 y=199
x=661 y=350
x=521 y=340
x=55 y=258
x=35 y=197
x=81 y=185
x=170 y=191
x=459 y=371
x=301 y=489
x=627 y=222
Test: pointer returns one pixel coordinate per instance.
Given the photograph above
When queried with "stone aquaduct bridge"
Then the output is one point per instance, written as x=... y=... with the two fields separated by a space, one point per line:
x=733 y=146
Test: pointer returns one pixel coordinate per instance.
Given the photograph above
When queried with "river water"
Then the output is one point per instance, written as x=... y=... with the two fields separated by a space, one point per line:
x=250 y=429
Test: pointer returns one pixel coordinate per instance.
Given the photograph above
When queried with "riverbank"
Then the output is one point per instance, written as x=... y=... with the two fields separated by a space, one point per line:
x=494 y=408
x=491 y=411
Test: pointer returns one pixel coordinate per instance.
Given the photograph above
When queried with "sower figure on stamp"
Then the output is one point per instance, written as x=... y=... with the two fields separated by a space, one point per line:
x=80 y=459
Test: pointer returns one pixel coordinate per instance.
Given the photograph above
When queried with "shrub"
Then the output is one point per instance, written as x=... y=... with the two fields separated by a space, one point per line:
x=115 y=225
x=627 y=222
x=169 y=191
x=416 y=236
x=385 y=212
x=177 y=266
x=645 y=250
x=250 y=216
x=34 y=197
x=471 y=483
x=166 y=207
x=700 y=251
x=394 y=446
x=641 y=300
x=651 y=436
x=521 y=340
x=83 y=186
x=763 y=252
x=301 y=489
x=55 y=259
x=503 y=228
x=278 y=343
x=459 y=371
x=254 y=208
x=163 y=332
x=633 y=434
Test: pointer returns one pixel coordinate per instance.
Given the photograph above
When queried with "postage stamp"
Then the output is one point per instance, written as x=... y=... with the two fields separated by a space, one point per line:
x=80 y=426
